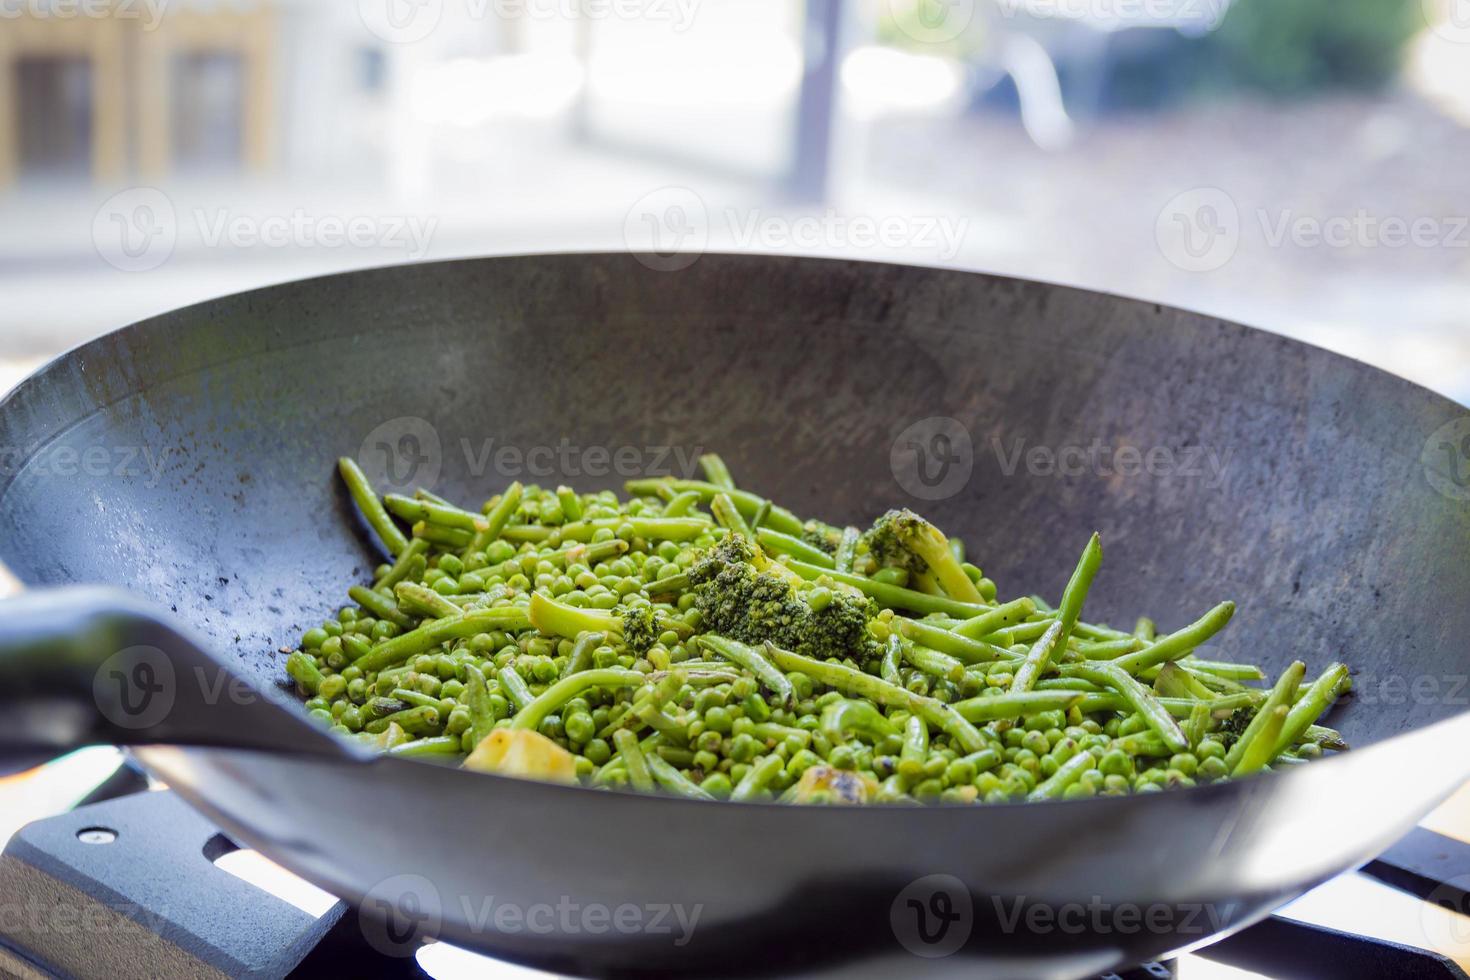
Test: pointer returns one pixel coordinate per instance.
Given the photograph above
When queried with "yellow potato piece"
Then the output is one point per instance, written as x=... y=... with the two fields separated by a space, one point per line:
x=527 y=754
x=823 y=784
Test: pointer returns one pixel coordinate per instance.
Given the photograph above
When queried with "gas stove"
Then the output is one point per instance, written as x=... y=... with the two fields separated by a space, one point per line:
x=133 y=882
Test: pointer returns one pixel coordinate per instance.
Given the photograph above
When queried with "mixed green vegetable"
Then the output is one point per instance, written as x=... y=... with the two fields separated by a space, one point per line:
x=699 y=640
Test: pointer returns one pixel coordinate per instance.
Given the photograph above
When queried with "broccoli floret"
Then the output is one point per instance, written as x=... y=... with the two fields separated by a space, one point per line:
x=820 y=536
x=1234 y=726
x=640 y=628
x=743 y=603
x=903 y=539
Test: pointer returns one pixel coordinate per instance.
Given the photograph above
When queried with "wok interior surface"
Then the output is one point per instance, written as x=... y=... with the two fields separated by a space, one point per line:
x=1282 y=476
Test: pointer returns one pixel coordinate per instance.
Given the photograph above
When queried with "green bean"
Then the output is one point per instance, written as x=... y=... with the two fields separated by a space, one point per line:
x=1177 y=707
x=403 y=565
x=1177 y=644
x=757 y=778
x=498 y=517
x=716 y=472
x=371 y=507
x=304 y=671
x=531 y=715
x=752 y=660
x=581 y=656
x=681 y=503
x=571 y=504
x=1306 y=711
x=418 y=720
x=1038 y=659
x=1327 y=738
x=1109 y=674
x=1075 y=594
x=892 y=653
x=1280 y=697
x=513 y=686
x=1145 y=629
x=424 y=748
x=784 y=544
x=1092 y=631
x=934 y=663
x=1015 y=704
x=915 y=750
x=389 y=653
x=891 y=596
x=1261 y=751
x=432 y=513
x=1198 y=724
x=416 y=699
x=729 y=517
x=424 y=601
x=1006 y=614
x=1067 y=774
x=846 y=679
x=379 y=605
x=477 y=699
x=961 y=648
x=1233 y=672
x=445 y=537
x=848 y=715
x=627 y=746
x=846 y=549
x=761 y=513
x=1108 y=649
x=1020 y=633
x=673 y=780
x=780 y=519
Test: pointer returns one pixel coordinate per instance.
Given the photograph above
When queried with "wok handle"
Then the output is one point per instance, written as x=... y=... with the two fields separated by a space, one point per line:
x=83 y=665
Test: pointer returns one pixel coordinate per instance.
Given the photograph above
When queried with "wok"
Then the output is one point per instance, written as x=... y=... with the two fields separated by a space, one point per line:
x=1325 y=516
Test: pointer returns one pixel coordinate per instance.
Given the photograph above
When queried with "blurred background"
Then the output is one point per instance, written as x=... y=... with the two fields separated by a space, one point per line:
x=1298 y=165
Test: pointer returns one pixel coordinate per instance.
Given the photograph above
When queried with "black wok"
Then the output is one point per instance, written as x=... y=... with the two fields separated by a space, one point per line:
x=1330 y=514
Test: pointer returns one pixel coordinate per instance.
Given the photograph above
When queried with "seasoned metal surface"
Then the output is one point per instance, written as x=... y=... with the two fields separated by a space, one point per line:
x=1269 y=472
